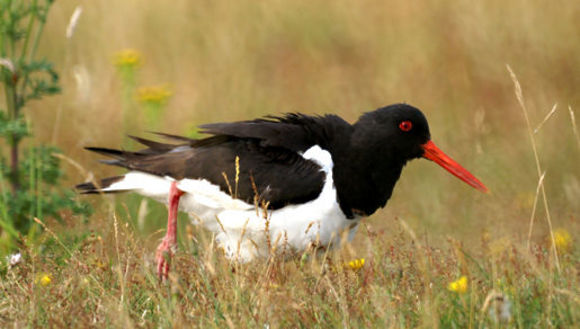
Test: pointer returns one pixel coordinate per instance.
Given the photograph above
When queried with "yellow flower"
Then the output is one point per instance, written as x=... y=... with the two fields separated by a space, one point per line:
x=460 y=285
x=43 y=279
x=128 y=58
x=356 y=264
x=154 y=95
x=562 y=240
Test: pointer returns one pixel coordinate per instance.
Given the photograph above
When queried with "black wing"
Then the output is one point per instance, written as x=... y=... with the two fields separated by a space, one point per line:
x=269 y=166
x=293 y=131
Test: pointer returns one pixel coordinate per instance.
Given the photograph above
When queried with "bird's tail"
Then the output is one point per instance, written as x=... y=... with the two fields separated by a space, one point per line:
x=102 y=186
x=145 y=175
x=129 y=160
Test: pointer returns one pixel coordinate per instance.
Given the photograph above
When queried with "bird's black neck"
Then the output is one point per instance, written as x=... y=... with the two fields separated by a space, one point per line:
x=365 y=169
x=364 y=180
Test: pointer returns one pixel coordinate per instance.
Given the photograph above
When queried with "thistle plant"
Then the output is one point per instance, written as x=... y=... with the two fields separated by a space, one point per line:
x=28 y=177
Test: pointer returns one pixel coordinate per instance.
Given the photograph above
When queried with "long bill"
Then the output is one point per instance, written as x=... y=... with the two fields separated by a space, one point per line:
x=434 y=154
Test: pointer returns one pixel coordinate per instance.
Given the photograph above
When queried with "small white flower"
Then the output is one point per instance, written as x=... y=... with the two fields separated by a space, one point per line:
x=14 y=259
x=498 y=306
x=7 y=63
x=500 y=311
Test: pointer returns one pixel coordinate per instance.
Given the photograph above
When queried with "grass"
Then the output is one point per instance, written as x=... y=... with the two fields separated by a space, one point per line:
x=229 y=61
x=107 y=279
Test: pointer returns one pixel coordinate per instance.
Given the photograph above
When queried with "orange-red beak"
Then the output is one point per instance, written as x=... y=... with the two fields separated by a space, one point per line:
x=433 y=153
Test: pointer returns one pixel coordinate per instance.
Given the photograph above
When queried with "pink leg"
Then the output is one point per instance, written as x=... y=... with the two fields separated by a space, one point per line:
x=166 y=248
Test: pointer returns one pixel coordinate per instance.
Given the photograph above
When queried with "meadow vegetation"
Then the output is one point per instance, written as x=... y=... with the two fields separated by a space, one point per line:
x=497 y=80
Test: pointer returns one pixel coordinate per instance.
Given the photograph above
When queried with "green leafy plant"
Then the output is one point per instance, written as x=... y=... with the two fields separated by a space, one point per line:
x=28 y=177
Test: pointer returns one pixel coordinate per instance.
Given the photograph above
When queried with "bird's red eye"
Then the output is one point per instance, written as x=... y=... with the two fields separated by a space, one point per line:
x=405 y=125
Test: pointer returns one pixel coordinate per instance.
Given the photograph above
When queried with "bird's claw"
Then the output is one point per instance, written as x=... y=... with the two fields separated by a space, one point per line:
x=164 y=253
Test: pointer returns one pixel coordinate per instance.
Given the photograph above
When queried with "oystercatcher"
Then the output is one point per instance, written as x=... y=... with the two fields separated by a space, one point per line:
x=292 y=181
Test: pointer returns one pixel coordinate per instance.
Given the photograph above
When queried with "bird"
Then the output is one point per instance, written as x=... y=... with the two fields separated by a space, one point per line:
x=288 y=182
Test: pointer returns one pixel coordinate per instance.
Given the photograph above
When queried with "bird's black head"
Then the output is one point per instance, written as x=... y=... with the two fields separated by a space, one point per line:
x=397 y=131
x=381 y=142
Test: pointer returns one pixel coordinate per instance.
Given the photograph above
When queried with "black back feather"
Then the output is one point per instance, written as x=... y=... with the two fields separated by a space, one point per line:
x=270 y=167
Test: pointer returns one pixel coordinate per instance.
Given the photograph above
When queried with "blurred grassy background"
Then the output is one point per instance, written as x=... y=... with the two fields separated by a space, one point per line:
x=233 y=60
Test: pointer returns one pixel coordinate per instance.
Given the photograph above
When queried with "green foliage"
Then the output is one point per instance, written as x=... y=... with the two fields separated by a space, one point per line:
x=38 y=196
x=33 y=174
x=43 y=80
x=15 y=128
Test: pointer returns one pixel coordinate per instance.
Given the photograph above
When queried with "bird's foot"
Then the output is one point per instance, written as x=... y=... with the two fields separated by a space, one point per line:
x=165 y=252
x=166 y=249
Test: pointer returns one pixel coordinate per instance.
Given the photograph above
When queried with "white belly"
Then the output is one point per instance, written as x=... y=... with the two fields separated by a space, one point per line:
x=245 y=232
